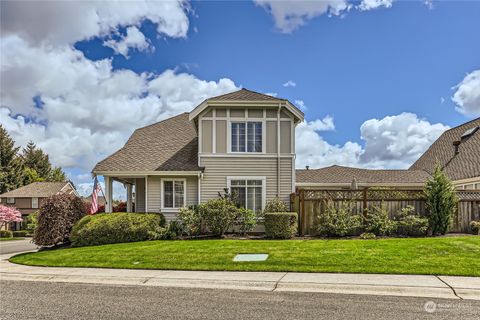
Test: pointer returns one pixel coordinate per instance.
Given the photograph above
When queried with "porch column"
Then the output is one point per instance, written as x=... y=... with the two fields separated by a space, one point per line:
x=108 y=193
x=129 y=197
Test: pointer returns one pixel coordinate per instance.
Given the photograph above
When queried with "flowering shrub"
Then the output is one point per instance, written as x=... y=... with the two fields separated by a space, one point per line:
x=8 y=215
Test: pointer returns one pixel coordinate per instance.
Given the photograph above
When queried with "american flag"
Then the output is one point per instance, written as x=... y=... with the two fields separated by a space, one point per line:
x=96 y=190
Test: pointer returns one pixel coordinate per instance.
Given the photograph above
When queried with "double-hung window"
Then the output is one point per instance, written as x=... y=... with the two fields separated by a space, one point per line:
x=173 y=194
x=34 y=203
x=246 y=136
x=249 y=193
x=10 y=200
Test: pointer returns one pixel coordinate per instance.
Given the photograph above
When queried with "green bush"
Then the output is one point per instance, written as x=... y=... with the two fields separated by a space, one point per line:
x=275 y=205
x=117 y=227
x=367 y=236
x=31 y=223
x=191 y=220
x=338 y=221
x=219 y=215
x=475 y=227
x=441 y=201
x=20 y=234
x=6 y=234
x=411 y=224
x=246 y=220
x=280 y=225
x=378 y=222
x=174 y=230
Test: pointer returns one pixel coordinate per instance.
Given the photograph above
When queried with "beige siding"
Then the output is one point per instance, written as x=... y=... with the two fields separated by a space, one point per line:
x=271 y=113
x=255 y=113
x=217 y=169
x=207 y=134
x=285 y=136
x=221 y=136
x=140 y=195
x=221 y=112
x=271 y=135
x=154 y=191
x=237 y=113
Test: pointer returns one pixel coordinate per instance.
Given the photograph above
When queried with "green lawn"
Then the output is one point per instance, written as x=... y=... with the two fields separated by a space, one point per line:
x=8 y=239
x=445 y=256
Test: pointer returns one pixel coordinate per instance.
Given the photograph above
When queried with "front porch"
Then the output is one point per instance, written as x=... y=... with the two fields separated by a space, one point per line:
x=162 y=192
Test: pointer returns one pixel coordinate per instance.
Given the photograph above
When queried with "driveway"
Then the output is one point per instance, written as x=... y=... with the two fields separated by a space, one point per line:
x=14 y=246
x=86 y=301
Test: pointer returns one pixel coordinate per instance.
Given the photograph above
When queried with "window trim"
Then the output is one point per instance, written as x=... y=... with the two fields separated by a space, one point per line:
x=262 y=178
x=162 y=194
x=36 y=207
x=230 y=121
x=10 y=202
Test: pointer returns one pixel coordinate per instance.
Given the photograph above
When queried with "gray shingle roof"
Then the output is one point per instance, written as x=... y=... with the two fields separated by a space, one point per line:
x=36 y=190
x=168 y=145
x=465 y=164
x=339 y=174
x=245 y=95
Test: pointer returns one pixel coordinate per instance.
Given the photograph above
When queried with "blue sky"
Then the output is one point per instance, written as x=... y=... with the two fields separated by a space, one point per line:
x=386 y=73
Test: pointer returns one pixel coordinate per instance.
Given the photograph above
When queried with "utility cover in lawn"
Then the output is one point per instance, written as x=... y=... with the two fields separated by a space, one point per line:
x=250 y=257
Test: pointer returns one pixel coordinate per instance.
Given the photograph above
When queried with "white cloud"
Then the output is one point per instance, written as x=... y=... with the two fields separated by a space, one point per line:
x=290 y=15
x=392 y=142
x=290 y=83
x=273 y=94
x=66 y=22
x=467 y=95
x=301 y=104
x=366 y=5
x=133 y=39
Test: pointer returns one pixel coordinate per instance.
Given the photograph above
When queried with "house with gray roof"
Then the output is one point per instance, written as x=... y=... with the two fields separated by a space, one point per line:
x=243 y=141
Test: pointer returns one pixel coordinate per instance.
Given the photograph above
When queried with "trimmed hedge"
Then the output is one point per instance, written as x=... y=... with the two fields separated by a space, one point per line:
x=280 y=225
x=475 y=226
x=117 y=227
x=6 y=234
x=20 y=233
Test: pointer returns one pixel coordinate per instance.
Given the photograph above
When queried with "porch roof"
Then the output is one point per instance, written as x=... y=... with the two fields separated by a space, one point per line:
x=169 y=145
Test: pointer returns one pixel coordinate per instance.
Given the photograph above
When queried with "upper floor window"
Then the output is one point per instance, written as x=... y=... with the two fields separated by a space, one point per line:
x=10 y=200
x=246 y=136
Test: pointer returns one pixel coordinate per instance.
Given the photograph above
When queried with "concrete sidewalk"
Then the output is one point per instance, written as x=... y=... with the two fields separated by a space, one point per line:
x=372 y=284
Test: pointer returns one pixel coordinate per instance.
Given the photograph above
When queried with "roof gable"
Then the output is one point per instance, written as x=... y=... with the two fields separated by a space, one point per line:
x=244 y=96
x=38 y=190
x=457 y=166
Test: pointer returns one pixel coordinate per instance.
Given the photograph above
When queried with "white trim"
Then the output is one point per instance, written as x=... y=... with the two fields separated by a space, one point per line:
x=214 y=131
x=264 y=185
x=242 y=103
x=200 y=135
x=162 y=202
x=146 y=193
x=246 y=155
x=141 y=174
x=199 y=181
x=74 y=190
x=467 y=181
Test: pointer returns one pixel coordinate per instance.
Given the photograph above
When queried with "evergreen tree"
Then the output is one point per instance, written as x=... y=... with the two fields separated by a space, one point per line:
x=57 y=175
x=35 y=159
x=11 y=169
x=30 y=175
x=441 y=201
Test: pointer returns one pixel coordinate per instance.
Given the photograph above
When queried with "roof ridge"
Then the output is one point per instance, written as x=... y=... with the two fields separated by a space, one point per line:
x=461 y=125
x=245 y=89
x=158 y=122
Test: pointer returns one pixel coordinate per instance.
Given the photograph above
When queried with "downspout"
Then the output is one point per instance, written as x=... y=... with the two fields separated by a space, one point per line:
x=278 y=149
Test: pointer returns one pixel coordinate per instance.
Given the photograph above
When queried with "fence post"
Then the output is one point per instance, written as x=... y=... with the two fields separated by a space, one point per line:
x=301 y=214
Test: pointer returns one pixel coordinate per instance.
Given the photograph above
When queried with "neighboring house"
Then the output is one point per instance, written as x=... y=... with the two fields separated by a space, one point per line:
x=100 y=200
x=339 y=177
x=244 y=141
x=29 y=198
x=457 y=151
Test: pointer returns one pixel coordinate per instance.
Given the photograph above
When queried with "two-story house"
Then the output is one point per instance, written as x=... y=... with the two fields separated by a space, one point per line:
x=244 y=141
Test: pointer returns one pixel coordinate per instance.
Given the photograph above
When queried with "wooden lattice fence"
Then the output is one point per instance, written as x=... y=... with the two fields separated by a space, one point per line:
x=310 y=203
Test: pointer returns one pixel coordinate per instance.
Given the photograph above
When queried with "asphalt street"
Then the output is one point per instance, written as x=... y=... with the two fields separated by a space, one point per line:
x=41 y=300
x=16 y=246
